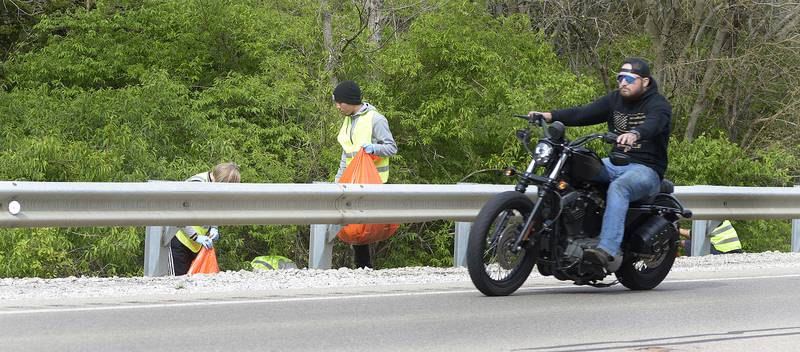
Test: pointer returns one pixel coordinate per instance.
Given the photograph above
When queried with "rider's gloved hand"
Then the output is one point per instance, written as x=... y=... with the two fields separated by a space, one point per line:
x=205 y=241
x=369 y=148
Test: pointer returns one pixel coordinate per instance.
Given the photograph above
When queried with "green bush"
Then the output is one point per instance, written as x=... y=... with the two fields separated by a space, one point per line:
x=716 y=161
x=159 y=90
x=137 y=90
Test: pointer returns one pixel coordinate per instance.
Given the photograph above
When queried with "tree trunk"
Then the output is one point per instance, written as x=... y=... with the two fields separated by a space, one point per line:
x=374 y=20
x=659 y=22
x=327 y=41
x=708 y=79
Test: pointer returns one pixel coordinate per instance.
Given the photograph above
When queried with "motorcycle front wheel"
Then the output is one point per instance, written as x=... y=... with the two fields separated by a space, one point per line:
x=494 y=267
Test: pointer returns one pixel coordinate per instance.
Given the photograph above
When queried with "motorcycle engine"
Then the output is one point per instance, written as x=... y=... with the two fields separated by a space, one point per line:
x=583 y=216
x=582 y=219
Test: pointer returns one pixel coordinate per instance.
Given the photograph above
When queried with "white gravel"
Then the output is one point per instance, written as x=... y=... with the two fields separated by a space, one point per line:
x=247 y=281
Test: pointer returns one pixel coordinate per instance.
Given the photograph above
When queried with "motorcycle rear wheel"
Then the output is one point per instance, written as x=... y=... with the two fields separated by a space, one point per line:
x=495 y=269
x=638 y=272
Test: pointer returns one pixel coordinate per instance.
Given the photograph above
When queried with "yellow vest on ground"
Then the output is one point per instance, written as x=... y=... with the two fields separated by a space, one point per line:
x=353 y=138
x=724 y=238
x=272 y=262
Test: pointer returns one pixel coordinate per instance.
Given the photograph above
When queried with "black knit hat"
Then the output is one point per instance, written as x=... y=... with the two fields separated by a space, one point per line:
x=638 y=66
x=347 y=92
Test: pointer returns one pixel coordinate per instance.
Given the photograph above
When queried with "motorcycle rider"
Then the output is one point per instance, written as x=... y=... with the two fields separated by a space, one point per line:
x=641 y=116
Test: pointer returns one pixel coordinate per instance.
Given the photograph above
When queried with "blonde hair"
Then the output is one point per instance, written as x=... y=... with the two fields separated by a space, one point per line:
x=226 y=172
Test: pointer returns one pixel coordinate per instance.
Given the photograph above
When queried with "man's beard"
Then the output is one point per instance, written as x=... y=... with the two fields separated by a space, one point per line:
x=635 y=96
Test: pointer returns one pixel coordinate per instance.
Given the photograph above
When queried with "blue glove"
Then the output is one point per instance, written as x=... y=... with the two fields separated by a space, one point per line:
x=205 y=241
x=369 y=148
x=214 y=234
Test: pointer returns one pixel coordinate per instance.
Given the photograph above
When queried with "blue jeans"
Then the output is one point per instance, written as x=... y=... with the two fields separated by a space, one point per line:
x=628 y=183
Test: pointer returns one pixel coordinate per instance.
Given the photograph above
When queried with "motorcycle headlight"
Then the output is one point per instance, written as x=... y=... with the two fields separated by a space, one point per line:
x=542 y=153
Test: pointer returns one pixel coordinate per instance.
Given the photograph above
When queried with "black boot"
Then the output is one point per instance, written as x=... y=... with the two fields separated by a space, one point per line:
x=597 y=256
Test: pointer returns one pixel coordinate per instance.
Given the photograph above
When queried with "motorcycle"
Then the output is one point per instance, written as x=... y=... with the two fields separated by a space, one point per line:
x=512 y=233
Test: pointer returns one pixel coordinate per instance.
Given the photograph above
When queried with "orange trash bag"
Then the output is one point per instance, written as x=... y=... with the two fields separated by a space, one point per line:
x=362 y=170
x=205 y=263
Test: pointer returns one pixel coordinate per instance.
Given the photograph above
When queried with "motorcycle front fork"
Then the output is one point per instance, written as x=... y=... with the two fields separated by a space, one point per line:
x=527 y=229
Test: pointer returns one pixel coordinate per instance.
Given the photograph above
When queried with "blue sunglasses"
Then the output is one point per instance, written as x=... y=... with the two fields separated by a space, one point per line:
x=627 y=79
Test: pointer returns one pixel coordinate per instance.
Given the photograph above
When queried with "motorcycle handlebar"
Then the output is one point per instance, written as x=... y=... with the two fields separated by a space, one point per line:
x=610 y=137
x=534 y=118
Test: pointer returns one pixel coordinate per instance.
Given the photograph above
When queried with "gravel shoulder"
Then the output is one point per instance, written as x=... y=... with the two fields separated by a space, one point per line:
x=249 y=281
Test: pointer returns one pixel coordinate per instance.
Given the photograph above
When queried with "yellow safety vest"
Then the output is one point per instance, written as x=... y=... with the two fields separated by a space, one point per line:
x=272 y=262
x=352 y=139
x=724 y=238
x=188 y=241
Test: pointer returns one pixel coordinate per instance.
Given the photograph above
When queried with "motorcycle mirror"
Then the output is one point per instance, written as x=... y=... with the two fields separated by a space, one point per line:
x=556 y=131
x=619 y=159
x=524 y=136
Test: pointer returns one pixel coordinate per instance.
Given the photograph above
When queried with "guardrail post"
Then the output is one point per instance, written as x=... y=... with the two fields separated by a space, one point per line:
x=699 y=245
x=460 y=244
x=320 y=246
x=320 y=243
x=156 y=250
x=796 y=233
x=700 y=242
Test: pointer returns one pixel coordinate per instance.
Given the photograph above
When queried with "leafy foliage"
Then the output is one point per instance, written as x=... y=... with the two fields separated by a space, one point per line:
x=717 y=161
x=137 y=90
x=453 y=83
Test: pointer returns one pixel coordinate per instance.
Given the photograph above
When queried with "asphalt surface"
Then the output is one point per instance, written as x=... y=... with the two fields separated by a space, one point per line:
x=691 y=311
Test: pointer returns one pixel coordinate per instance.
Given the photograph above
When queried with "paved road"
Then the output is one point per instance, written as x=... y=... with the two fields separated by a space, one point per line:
x=708 y=311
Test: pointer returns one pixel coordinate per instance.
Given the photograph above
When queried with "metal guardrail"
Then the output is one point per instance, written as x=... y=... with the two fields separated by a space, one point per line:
x=42 y=204
x=740 y=203
x=188 y=203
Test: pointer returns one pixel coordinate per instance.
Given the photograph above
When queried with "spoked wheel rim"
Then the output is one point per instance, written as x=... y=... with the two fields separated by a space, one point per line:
x=643 y=263
x=494 y=268
x=499 y=258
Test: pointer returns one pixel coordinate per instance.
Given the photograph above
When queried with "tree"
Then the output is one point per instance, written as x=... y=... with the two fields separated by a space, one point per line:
x=725 y=65
x=131 y=90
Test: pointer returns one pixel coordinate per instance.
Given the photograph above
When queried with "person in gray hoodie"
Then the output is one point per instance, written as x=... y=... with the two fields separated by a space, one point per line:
x=363 y=127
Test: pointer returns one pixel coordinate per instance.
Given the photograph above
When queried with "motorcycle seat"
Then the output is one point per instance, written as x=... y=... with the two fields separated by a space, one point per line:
x=667 y=187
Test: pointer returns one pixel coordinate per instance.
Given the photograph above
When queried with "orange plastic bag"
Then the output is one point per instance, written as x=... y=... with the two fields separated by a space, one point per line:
x=366 y=233
x=362 y=170
x=205 y=263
